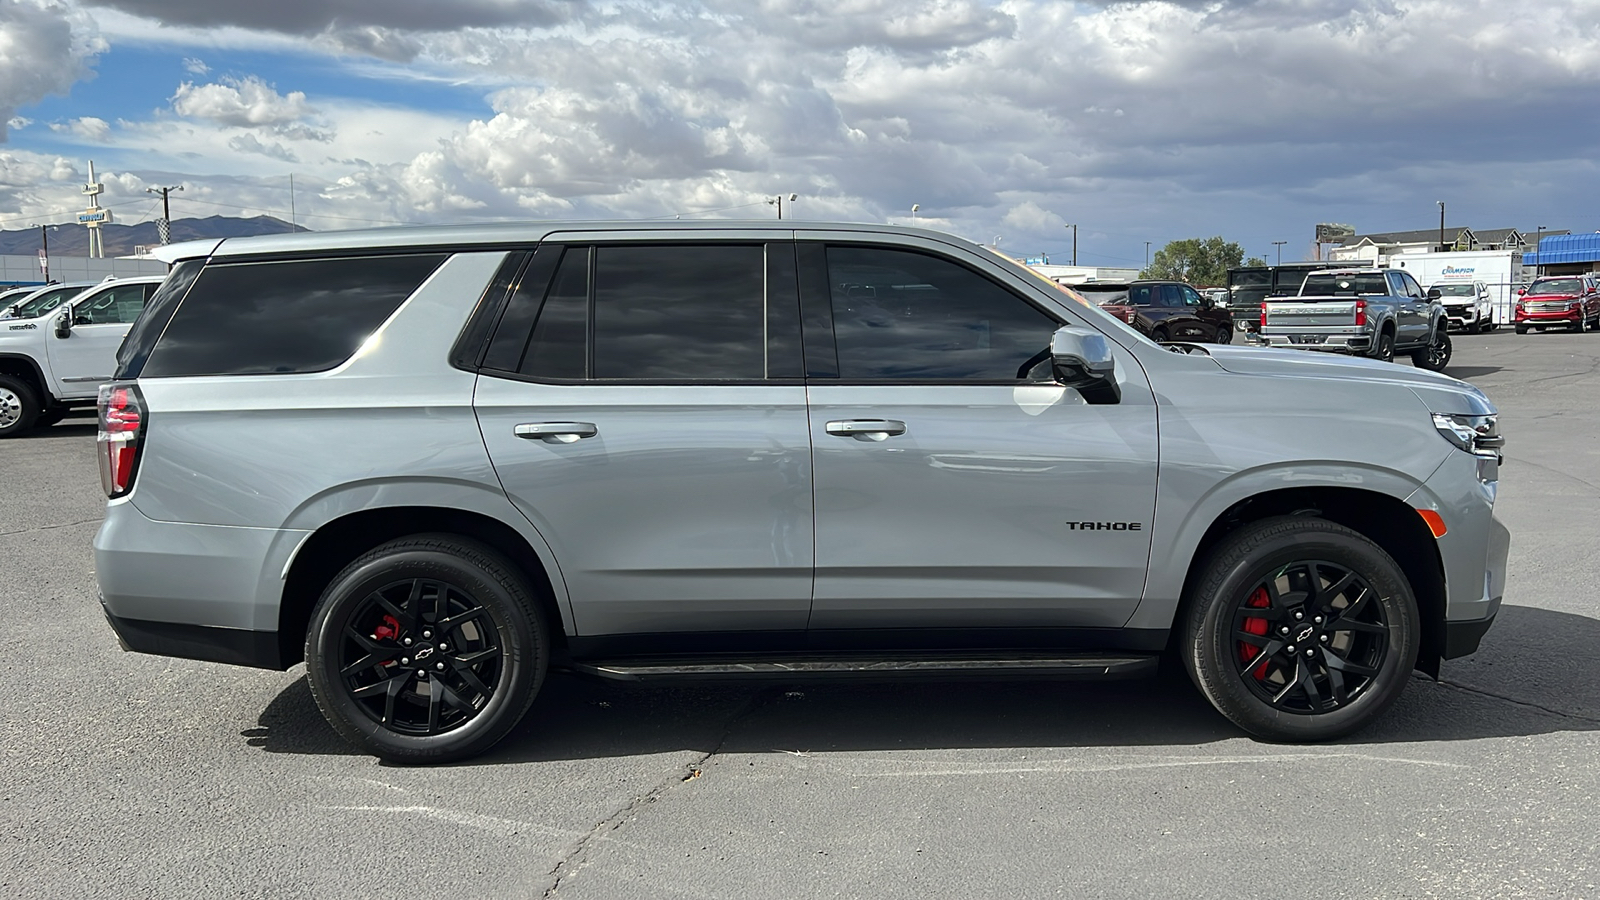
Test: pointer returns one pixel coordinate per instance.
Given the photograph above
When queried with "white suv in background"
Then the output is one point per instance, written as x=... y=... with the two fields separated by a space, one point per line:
x=1467 y=305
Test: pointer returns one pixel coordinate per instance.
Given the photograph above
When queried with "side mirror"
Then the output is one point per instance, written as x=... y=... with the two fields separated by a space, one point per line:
x=64 y=324
x=1522 y=292
x=1433 y=294
x=1081 y=359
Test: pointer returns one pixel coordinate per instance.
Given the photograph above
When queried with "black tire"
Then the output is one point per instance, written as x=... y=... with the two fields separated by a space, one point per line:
x=1224 y=334
x=1385 y=348
x=1367 y=613
x=1159 y=334
x=19 y=407
x=1581 y=325
x=1522 y=329
x=372 y=637
x=1436 y=355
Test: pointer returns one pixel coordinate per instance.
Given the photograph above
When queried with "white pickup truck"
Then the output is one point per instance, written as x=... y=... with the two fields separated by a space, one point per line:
x=57 y=359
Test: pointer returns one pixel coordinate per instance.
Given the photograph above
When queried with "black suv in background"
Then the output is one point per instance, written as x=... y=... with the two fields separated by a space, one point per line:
x=1163 y=310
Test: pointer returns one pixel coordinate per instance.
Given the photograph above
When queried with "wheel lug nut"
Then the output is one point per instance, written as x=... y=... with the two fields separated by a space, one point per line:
x=405 y=660
x=1324 y=639
x=427 y=634
x=439 y=666
x=1317 y=619
x=1290 y=648
x=1283 y=630
x=407 y=642
x=1310 y=652
x=1298 y=615
x=422 y=673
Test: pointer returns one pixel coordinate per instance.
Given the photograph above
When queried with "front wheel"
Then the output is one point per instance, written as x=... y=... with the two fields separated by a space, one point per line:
x=1521 y=329
x=19 y=407
x=1581 y=325
x=426 y=649
x=1436 y=355
x=1224 y=334
x=1300 y=630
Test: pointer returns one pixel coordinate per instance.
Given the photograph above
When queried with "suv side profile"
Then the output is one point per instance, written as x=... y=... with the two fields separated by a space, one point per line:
x=1163 y=310
x=433 y=463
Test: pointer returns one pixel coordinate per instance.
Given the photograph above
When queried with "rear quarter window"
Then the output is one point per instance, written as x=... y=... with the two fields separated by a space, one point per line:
x=284 y=317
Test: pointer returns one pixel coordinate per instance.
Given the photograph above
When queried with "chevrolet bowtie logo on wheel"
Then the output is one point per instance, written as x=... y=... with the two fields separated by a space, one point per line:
x=1304 y=635
x=424 y=653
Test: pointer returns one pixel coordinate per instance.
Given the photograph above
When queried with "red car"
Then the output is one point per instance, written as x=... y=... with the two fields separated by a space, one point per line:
x=1570 y=300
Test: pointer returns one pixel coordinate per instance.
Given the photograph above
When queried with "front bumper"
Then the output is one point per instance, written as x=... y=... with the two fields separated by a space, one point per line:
x=1564 y=317
x=1473 y=551
x=1463 y=316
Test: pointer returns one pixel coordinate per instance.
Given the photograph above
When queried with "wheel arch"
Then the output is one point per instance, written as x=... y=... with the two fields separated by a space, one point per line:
x=27 y=368
x=1382 y=518
x=335 y=543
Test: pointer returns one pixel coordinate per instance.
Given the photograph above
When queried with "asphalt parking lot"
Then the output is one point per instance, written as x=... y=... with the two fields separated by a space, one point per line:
x=133 y=776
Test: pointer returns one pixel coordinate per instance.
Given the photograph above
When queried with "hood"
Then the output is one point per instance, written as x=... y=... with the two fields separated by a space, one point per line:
x=1562 y=296
x=1441 y=393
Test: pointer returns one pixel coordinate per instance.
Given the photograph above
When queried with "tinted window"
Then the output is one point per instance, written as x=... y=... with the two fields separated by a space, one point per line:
x=560 y=334
x=1144 y=295
x=1190 y=296
x=1456 y=290
x=1250 y=278
x=1412 y=288
x=47 y=301
x=153 y=320
x=1371 y=283
x=115 y=306
x=284 y=317
x=1557 y=286
x=679 y=312
x=1290 y=281
x=1102 y=294
x=904 y=315
x=1171 y=295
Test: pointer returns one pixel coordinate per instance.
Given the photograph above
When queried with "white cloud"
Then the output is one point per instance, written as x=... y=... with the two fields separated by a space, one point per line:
x=87 y=127
x=45 y=47
x=249 y=143
x=195 y=66
x=17 y=123
x=242 y=102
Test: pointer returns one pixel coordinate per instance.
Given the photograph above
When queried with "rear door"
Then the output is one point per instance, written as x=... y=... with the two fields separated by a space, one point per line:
x=957 y=486
x=644 y=406
x=87 y=356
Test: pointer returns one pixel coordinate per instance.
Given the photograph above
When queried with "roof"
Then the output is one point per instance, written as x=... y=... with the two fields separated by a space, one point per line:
x=1565 y=248
x=512 y=234
x=1452 y=235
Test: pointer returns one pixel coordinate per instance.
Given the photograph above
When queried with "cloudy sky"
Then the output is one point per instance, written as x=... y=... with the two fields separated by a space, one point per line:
x=1139 y=121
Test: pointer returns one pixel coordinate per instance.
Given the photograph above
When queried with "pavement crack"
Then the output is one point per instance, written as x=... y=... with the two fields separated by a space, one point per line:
x=1524 y=703
x=51 y=527
x=573 y=861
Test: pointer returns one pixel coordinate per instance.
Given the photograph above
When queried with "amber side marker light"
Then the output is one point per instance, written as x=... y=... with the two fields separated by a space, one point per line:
x=1434 y=520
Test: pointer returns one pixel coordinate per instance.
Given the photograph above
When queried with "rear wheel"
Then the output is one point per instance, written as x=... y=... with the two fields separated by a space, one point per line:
x=1159 y=335
x=1301 y=629
x=1224 y=334
x=1385 y=349
x=19 y=407
x=1436 y=355
x=426 y=649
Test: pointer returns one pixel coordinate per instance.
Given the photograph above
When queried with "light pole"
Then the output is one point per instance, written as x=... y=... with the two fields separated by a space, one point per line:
x=997 y=242
x=1278 y=245
x=1074 y=243
x=914 y=208
x=1536 y=242
x=44 y=250
x=1147 y=254
x=164 y=227
x=1442 y=246
x=778 y=201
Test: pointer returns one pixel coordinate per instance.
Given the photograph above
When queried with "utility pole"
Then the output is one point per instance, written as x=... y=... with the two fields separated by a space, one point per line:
x=1147 y=254
x=1537 y=241
x=1074 y=243
x=292 y=225
x=1442 y=246
x=1279 y=246
x=778 y=201
x=164 y=226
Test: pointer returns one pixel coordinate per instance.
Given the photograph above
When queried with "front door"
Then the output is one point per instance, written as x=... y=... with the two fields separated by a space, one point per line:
x=644 y=406
x=956 y=485
x=87 y=356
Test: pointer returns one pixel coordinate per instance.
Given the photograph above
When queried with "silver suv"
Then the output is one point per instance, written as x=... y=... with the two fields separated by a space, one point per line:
x=434 y=463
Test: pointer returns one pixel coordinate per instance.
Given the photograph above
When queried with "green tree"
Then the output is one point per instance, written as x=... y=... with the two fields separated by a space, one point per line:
x=1204 y=261
x=1255 y=261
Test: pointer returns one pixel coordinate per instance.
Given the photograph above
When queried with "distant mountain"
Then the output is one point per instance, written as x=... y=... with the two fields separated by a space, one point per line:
x=73 y=240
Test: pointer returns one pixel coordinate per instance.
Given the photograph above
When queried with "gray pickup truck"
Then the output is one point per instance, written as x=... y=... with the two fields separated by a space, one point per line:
x=1362 y=312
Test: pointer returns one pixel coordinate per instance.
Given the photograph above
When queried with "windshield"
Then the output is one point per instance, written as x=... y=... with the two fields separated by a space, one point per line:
x=1290 y=280
x=46 y=301
x=1454 y=290
x=1346 y=284
x=1557 y=286
x=1249 y=278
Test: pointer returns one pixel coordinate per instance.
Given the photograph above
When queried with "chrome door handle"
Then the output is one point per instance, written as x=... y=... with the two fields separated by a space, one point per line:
x=866 y=429
x=556 y=432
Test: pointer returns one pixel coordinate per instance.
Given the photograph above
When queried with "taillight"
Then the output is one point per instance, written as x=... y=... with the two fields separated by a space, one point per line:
x=1361 y=312
x=1263 y=315
x=121 y=427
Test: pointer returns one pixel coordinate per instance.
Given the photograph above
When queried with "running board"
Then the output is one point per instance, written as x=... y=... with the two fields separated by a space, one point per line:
x=1098 y=666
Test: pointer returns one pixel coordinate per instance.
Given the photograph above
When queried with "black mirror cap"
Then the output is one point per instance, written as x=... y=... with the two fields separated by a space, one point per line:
x=1434 y=294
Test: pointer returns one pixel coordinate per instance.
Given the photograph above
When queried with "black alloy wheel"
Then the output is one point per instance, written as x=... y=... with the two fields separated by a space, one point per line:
x=1436 y=355
x=426 y=649
x=1300 y=629
x=1224 y=334
x=1385 y=347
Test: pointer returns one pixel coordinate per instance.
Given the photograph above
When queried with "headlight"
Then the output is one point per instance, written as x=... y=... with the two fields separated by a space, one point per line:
x=1478 y=435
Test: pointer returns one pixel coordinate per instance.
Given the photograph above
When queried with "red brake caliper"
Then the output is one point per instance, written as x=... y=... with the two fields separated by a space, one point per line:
x=1252 y=625
x=390 y=629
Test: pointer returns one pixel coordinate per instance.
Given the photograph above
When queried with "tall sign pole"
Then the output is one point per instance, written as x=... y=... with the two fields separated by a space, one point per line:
x=94 y=217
